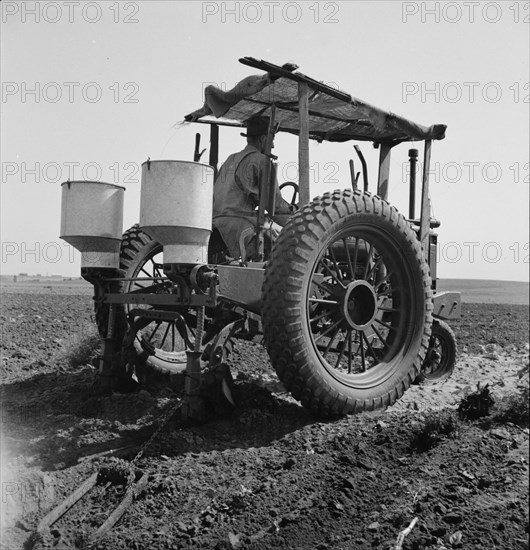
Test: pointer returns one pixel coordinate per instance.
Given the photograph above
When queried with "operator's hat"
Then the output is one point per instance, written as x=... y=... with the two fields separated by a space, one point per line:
x=257 y=126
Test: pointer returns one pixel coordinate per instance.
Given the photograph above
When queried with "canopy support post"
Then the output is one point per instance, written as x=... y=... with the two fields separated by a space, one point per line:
x=264 y=187
x=384 y=170
x=425 y=222
x=303 y=143
x=413 y=159
x=214 y=148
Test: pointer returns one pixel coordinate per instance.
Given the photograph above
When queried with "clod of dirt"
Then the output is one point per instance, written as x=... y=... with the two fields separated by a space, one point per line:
x=515 y=407
x=434 y=427
x=115 y=471
x=476 y=405
x=499 y=433
x=453 y=518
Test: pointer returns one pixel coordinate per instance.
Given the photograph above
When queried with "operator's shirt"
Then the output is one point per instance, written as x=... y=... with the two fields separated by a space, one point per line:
x=236 y=196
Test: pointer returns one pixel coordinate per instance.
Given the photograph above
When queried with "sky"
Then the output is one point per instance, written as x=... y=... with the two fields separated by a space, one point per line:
x=90 y=90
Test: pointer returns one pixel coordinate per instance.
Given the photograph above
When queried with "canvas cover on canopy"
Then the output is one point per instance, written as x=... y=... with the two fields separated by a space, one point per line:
x=333 y=114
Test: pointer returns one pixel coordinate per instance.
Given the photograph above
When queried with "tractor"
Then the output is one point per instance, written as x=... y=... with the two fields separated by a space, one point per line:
x=345 y=299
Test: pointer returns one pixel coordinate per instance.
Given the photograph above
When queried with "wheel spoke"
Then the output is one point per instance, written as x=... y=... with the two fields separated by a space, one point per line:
x=322 y=286
x=368 y=260
x=341 y=354
x=363 y=358
x=374 y=267
x=154 y=331
x=321 y=316
x=383 y=281
x=369 y=346
x=389 y=327
x=146 y=273
x=348 y=259
x=321 y=301
x=358 y=345
x=329 y=329
x=332 y=254
x=165 y=335
x=383 y=341
x=155 y=274
x=156 y=270
x=328 y=347
x=328 y=269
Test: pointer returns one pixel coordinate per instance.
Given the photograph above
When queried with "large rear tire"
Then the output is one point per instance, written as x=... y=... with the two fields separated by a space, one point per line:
x=347 y=304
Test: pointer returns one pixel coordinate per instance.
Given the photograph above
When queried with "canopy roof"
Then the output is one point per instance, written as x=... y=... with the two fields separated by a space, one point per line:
x=333 y=115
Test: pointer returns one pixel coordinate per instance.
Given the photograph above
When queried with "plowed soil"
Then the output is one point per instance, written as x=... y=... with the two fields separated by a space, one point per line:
x=270 y=475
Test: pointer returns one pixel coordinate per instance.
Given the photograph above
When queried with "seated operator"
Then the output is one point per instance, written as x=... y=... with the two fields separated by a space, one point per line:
x=236 y=191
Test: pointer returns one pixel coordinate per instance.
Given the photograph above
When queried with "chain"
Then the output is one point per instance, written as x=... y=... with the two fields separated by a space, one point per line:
x=165 y=419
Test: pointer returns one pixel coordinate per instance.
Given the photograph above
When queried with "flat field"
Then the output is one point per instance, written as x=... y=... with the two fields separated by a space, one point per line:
x=481 y=291
x=474 y=291
x=269 y=475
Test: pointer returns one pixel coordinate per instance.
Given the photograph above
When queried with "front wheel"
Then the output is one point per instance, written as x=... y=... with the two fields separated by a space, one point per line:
x=441 y=355
x=347 y=304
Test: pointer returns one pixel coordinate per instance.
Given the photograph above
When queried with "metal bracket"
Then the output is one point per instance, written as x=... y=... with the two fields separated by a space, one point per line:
x=447 y=305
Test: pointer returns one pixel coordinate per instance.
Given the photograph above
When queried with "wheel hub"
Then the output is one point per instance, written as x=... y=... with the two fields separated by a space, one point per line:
x=359 y=304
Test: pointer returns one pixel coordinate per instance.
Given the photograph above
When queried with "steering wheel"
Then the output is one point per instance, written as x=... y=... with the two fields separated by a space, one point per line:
x=296 y=190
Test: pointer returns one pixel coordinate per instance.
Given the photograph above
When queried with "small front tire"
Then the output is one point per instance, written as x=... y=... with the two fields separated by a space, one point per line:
x=440 y=360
